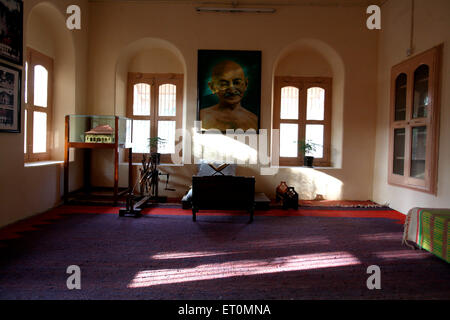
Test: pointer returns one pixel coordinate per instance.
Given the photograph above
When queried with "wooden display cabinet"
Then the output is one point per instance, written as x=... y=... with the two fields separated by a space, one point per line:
x=97 y=132
x=414 y=122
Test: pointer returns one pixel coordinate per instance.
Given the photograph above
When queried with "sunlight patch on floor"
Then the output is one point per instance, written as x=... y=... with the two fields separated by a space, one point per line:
x=402 y=254
x=382 y=236
x=198 y=254
x=213 y=271
x=289 y=242
x=260 y=244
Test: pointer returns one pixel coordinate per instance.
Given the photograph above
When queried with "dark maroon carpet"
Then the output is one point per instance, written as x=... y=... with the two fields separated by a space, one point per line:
x=218 y=257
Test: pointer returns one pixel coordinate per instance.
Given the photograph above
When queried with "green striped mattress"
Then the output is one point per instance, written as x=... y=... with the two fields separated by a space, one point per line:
x=428 y=229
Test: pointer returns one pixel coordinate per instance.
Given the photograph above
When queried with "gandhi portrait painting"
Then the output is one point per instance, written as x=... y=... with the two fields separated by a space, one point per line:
x=229 y=89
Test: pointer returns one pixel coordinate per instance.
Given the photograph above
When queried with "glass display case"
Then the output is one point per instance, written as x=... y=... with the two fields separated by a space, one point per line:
x=99 y=129
x=97 y=132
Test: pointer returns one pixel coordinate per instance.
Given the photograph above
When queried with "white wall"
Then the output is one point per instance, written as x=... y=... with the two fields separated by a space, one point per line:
x=26 y=191
x=339 y=33
x=360 y=58
x=432 y=27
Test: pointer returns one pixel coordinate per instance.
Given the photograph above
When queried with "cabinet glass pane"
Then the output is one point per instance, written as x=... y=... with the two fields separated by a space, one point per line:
x=315 y=104
x=168 y=100
x=92 y=129
x=400 y=97
x=418 y=152
x=399 y=151
x=124 y=132
x=314 y=135
x=421 y=98
x=166 y=131
x=288 y=140
x=141 y=134
x=289 y=103
x=141 y=99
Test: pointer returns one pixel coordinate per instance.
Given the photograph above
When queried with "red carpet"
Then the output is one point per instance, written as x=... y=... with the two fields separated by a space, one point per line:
x=310 y=253
x=13 y=231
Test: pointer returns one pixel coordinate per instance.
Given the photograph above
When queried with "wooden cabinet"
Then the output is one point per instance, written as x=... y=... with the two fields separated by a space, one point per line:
x=414 y=122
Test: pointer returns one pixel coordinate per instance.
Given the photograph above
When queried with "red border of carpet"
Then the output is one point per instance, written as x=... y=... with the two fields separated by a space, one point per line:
x=14 y=231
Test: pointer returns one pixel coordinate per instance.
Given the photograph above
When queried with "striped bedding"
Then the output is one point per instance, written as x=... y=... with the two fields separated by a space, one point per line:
x=428 y=229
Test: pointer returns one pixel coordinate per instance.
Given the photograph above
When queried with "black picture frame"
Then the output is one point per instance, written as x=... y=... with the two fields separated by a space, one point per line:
x=11 y=31
x=250 y=62
x=10 y=98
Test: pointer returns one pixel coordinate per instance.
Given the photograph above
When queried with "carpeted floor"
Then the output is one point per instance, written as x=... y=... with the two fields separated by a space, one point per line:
x=312 y=253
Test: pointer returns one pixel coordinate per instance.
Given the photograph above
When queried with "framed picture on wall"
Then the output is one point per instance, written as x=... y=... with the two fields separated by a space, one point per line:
x=10 y=80
x=229 y=89
x=11 y=31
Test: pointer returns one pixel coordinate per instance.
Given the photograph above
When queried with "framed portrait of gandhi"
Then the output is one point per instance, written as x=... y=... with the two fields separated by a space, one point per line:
x=229 y=89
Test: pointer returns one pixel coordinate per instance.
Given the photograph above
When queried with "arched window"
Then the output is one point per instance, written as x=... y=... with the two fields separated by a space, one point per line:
x=302 y=112
x=141 y=99
x=155 y=105
x=38 y=105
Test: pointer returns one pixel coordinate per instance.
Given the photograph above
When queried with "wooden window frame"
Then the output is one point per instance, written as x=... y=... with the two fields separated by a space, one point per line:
x=35 y=58
x=431 y=58
x=303 y=84
x=155 y=80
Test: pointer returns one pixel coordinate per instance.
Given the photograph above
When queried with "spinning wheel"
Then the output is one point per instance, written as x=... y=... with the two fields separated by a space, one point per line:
x=148 y=185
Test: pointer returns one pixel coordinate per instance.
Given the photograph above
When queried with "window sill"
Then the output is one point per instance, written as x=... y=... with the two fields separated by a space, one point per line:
x=42 y=163
x=159 y=165
x=303 y=167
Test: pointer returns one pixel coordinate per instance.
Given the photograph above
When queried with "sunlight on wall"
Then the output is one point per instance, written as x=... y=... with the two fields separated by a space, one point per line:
x=238 y=149
x=312 y=182
x=243 y=268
